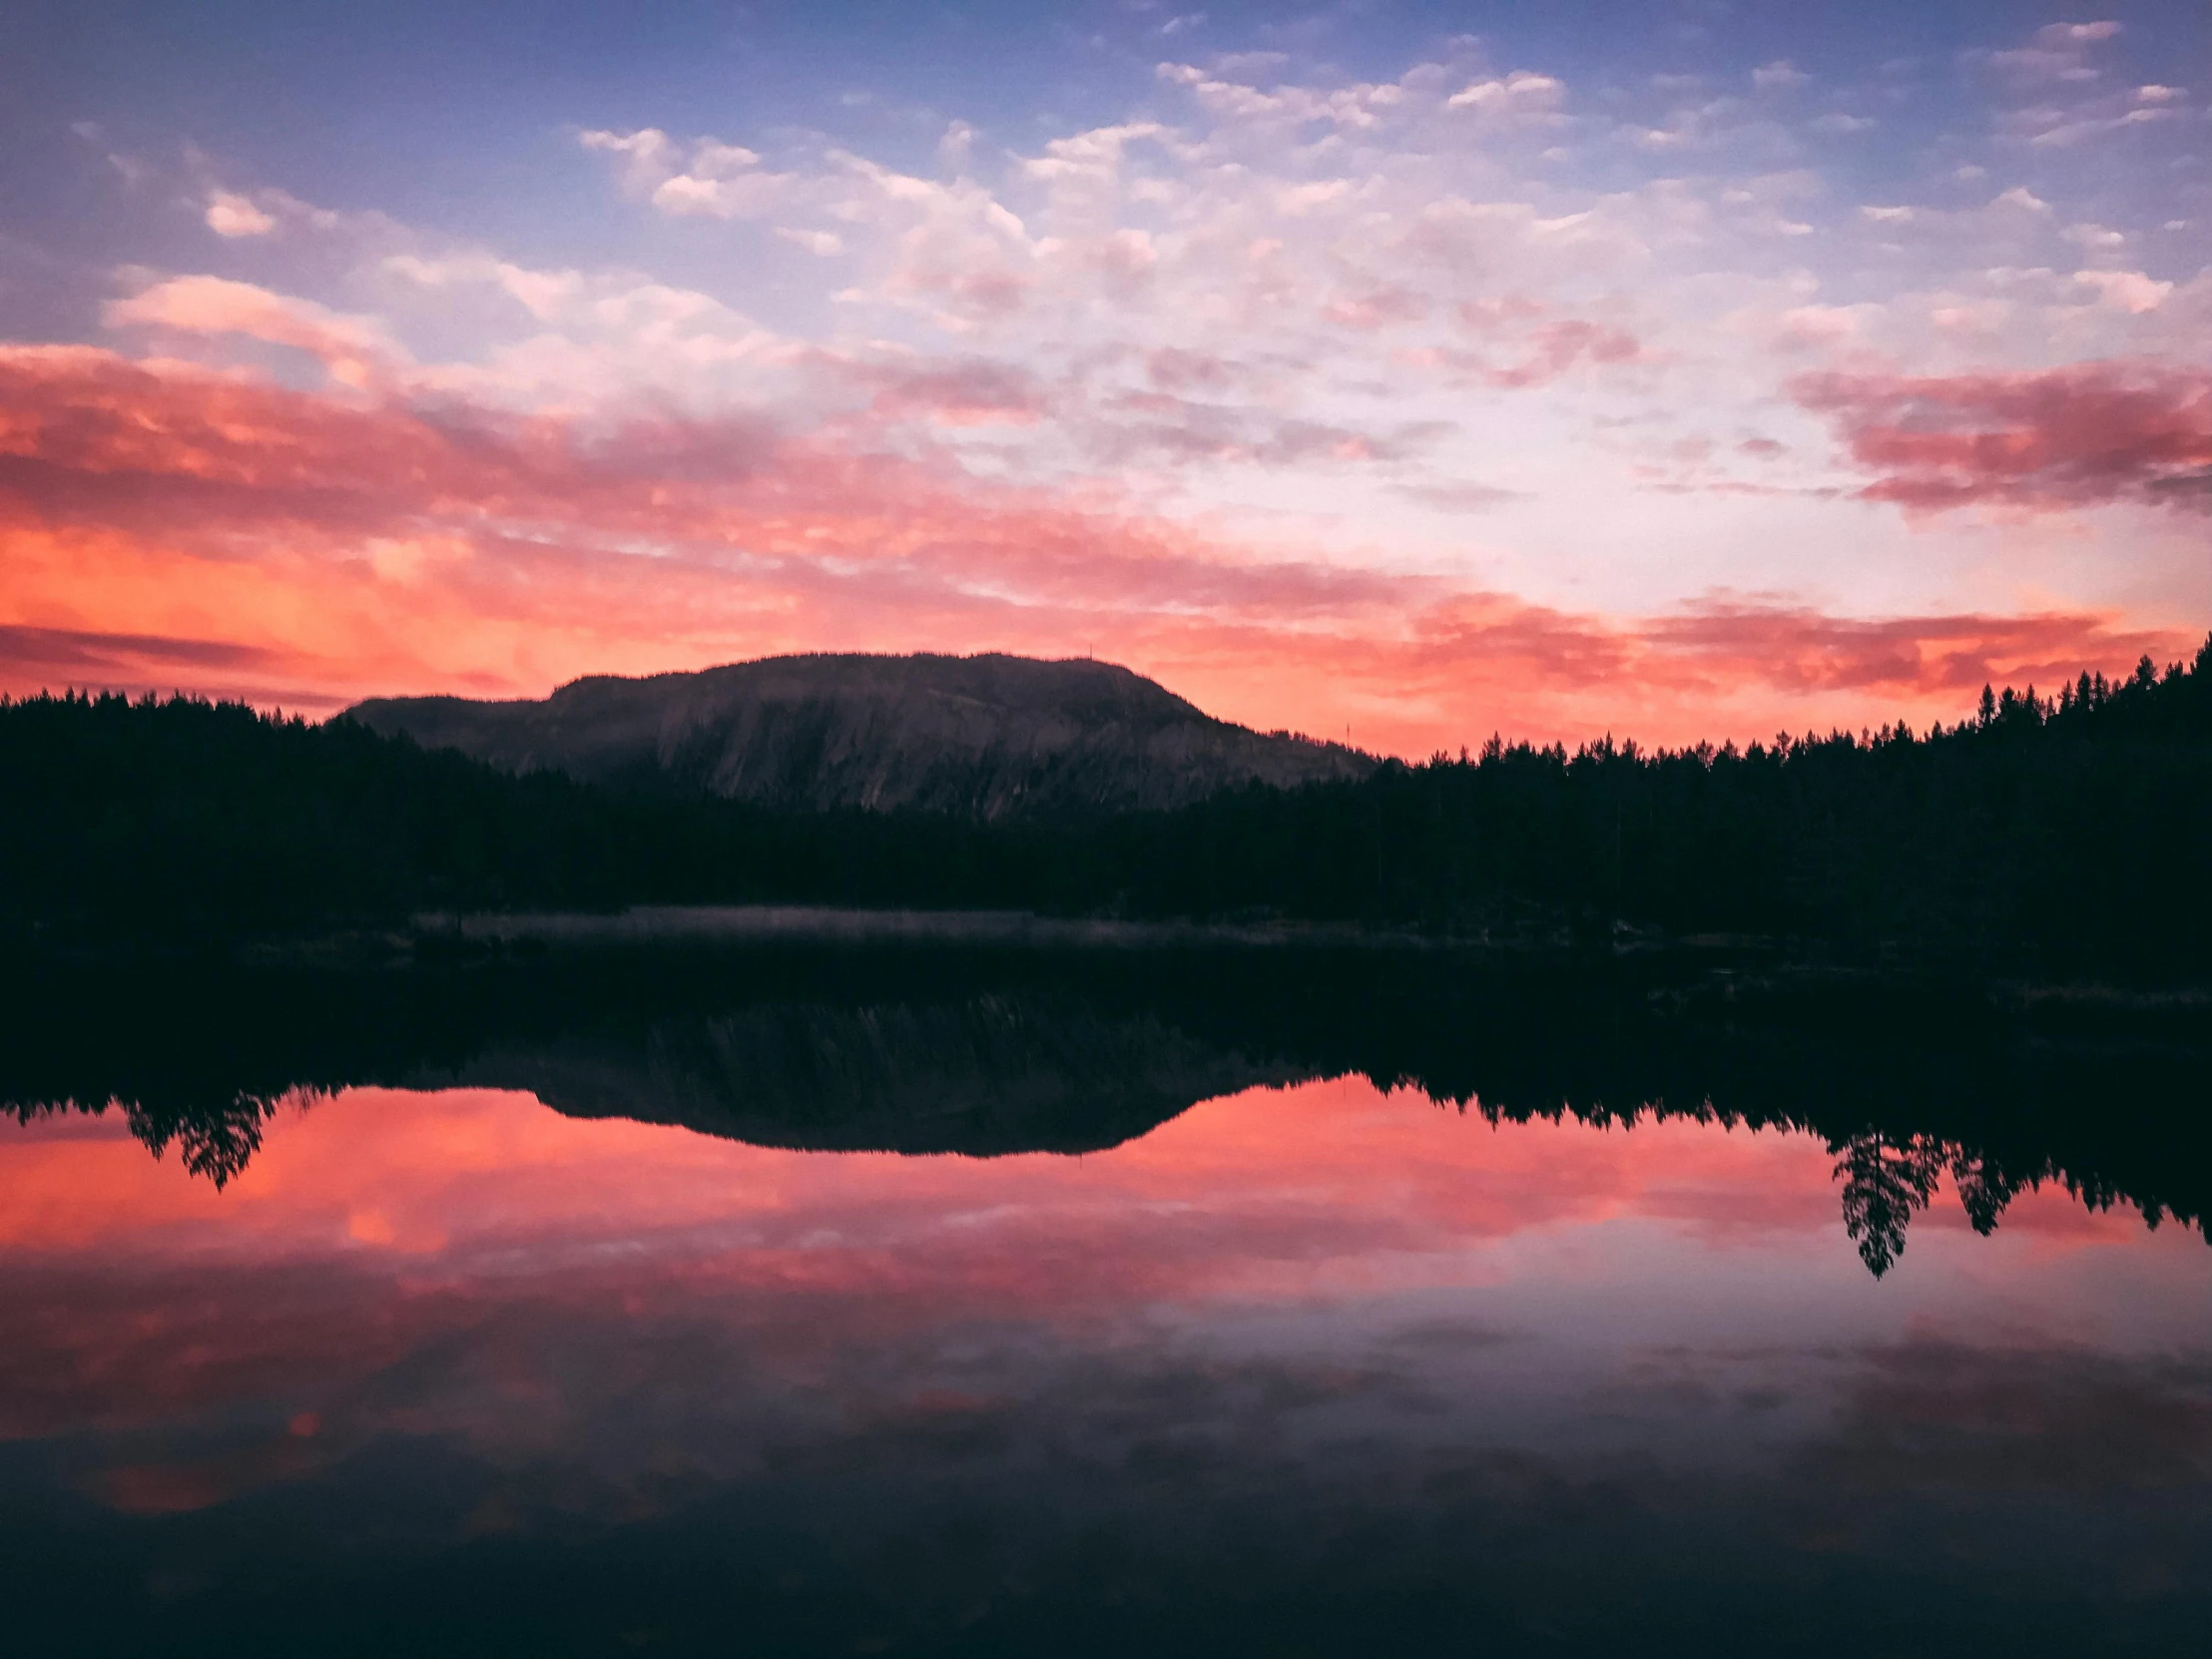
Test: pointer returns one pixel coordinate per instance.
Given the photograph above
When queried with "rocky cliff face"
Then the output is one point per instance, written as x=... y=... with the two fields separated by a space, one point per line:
x=991 y=737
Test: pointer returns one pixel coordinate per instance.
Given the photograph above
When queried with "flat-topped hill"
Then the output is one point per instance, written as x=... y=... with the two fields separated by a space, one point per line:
x=989 y=737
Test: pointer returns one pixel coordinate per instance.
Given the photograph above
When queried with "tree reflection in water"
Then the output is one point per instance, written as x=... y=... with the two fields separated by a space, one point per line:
x=1883 y=1182
x=1887 y=1179
x=921 y=1051
x=217 y=1144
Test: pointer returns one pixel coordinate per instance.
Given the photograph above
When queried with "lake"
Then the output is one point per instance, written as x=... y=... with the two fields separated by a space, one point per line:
x=980 y=1300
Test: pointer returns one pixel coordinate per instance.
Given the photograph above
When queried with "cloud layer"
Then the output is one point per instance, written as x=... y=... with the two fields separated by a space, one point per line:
x=2084 y=436
x=172 y=526
x=1488 y=395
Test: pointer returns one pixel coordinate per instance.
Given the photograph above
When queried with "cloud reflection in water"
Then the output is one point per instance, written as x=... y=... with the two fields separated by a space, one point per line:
x=1296 y=1359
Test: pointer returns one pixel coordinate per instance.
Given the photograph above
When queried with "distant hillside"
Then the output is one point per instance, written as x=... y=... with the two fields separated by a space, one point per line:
x=990 y=737
x=2043 y=836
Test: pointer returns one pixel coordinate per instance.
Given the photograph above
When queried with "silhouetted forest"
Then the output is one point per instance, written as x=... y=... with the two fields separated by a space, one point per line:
x=2061 y=834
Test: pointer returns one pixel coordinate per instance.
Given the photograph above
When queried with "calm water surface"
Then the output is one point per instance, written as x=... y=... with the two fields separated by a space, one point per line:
x=1313 y=1365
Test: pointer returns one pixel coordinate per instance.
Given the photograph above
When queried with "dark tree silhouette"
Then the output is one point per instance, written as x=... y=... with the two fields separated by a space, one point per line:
x=1900 y=1096
x=214 y=1142
x=2041 y=836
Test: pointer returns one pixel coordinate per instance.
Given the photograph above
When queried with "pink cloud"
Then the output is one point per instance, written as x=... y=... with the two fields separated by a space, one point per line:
x=1914 y=655
x=233 y=215
x=1558 y=346
x=2051 y=439
x=167 y=525
x=355 y=350
x=970 y=393
x=1378 y=309
x=1545 y=351
x=1160 y=427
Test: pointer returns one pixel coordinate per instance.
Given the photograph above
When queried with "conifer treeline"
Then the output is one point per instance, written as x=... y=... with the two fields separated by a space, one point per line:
x=2064 y=833
x=2070 y=831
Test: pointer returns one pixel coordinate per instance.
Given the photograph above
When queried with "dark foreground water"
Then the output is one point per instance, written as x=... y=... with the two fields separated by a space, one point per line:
x=1229 y=1304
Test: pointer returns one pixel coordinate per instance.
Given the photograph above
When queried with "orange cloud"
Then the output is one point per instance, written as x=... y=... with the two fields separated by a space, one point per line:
x=170 y=526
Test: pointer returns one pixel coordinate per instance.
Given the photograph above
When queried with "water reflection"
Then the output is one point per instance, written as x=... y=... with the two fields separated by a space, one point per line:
x=1218 y=1344
x=988 y=1054
x=1882 y=1182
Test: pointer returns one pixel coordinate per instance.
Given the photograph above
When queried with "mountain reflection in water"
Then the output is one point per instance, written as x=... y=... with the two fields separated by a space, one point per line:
x=1222 y=1336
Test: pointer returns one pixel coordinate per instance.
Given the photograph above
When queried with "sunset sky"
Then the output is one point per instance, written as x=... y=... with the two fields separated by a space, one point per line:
x=1673 y=367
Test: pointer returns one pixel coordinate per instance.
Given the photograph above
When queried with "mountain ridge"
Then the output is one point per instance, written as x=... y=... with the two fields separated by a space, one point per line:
x=989 y=737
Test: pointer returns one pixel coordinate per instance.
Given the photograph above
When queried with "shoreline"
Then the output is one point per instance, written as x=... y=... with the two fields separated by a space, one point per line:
x=1740 y=980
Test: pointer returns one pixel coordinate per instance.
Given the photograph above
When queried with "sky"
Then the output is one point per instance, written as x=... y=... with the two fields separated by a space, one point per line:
x=1409 y=372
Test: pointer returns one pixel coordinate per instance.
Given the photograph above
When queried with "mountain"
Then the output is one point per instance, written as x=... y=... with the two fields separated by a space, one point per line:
x=990 y=737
